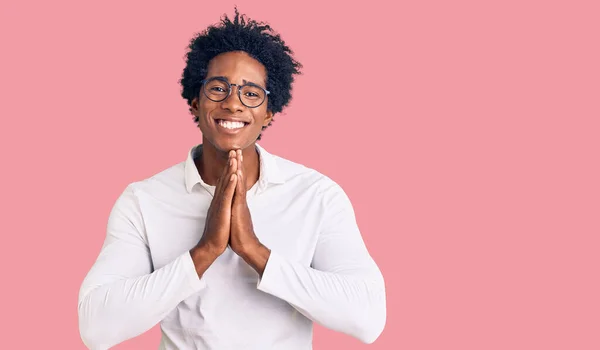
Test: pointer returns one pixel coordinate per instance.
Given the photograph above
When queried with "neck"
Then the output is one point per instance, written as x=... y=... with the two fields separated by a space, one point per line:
x=212 y=162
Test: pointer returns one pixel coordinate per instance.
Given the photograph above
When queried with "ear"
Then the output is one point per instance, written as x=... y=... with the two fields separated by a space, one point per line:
x=194 y=106
x=268 y=118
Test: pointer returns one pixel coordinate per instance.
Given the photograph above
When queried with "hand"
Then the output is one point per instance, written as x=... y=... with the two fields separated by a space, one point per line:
x=242 y=240
x=218 y=221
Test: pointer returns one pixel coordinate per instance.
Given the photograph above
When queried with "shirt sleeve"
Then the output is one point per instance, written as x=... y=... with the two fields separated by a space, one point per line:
x=121 y=296
x=344 y=289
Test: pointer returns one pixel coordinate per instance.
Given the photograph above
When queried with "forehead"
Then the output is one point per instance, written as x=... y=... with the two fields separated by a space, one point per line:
x=236 y=67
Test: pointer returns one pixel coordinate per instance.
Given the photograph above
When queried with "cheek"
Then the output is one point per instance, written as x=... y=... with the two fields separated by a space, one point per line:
x=205 y=107
x=260 y=117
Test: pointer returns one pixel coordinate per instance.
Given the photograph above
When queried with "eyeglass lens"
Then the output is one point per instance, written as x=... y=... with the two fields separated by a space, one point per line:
x=217 y=90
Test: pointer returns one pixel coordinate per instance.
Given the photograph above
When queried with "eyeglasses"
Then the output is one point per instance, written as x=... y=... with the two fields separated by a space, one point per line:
x=218 y=89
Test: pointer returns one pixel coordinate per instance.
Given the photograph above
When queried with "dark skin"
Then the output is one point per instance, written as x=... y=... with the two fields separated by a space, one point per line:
x=231 y=163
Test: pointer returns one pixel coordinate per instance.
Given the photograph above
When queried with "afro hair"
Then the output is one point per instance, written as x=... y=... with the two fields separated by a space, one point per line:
x=259 y=41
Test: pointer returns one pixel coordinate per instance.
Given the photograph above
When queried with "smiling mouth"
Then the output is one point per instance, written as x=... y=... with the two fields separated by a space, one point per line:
x=231 y=125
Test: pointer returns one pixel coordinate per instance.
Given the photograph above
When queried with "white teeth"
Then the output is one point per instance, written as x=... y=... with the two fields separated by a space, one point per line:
x=231 y=125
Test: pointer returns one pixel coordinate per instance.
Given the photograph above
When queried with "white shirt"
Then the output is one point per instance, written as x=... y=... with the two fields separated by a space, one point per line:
x=319 y=269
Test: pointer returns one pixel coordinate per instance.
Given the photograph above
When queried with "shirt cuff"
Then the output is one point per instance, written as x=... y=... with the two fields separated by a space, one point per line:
x=189 y=269
x=272 y=274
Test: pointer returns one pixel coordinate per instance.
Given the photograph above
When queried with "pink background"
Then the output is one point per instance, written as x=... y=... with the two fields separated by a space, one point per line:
x=465 y=132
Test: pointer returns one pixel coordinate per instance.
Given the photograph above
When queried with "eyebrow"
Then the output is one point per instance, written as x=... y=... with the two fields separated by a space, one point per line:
x=244 y=81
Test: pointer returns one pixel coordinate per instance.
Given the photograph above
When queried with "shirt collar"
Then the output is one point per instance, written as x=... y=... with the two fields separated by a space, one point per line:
x=269 y=170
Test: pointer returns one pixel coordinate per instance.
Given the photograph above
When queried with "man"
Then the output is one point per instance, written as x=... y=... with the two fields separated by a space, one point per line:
x=234 y=248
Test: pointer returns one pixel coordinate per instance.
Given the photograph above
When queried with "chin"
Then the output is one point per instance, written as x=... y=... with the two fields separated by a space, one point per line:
x=230 y=143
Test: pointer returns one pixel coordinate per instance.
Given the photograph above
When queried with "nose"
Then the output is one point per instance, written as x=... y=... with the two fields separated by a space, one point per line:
x=233 y=102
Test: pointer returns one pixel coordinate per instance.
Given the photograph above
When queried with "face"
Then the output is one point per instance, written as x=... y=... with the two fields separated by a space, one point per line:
x=230 y=124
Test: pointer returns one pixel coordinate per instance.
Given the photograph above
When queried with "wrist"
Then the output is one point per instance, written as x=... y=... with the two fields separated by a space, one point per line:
x=208 y=249
x=256 y=256
x=248 y=250
x=203 y=256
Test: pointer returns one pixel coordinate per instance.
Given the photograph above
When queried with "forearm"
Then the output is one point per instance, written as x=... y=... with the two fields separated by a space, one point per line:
x=110 y=313
x=354 y=304
x=257 y=258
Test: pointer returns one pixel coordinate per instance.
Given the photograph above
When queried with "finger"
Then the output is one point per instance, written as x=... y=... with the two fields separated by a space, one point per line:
x=240 y=161
x=232 y=168
x=241 y=173
x=229 y=191
x=226 y=170
x=238 y=157
x=240 y=192
x=233 y=163
x=232 y=154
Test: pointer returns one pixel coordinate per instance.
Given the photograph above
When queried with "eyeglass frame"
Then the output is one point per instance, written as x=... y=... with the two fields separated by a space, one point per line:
x=230 y=86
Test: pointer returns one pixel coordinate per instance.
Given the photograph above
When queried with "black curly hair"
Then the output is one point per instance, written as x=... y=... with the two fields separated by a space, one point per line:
x=259 y=41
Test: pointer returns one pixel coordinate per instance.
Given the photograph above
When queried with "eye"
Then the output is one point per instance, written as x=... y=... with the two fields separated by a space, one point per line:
x=251 y=92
